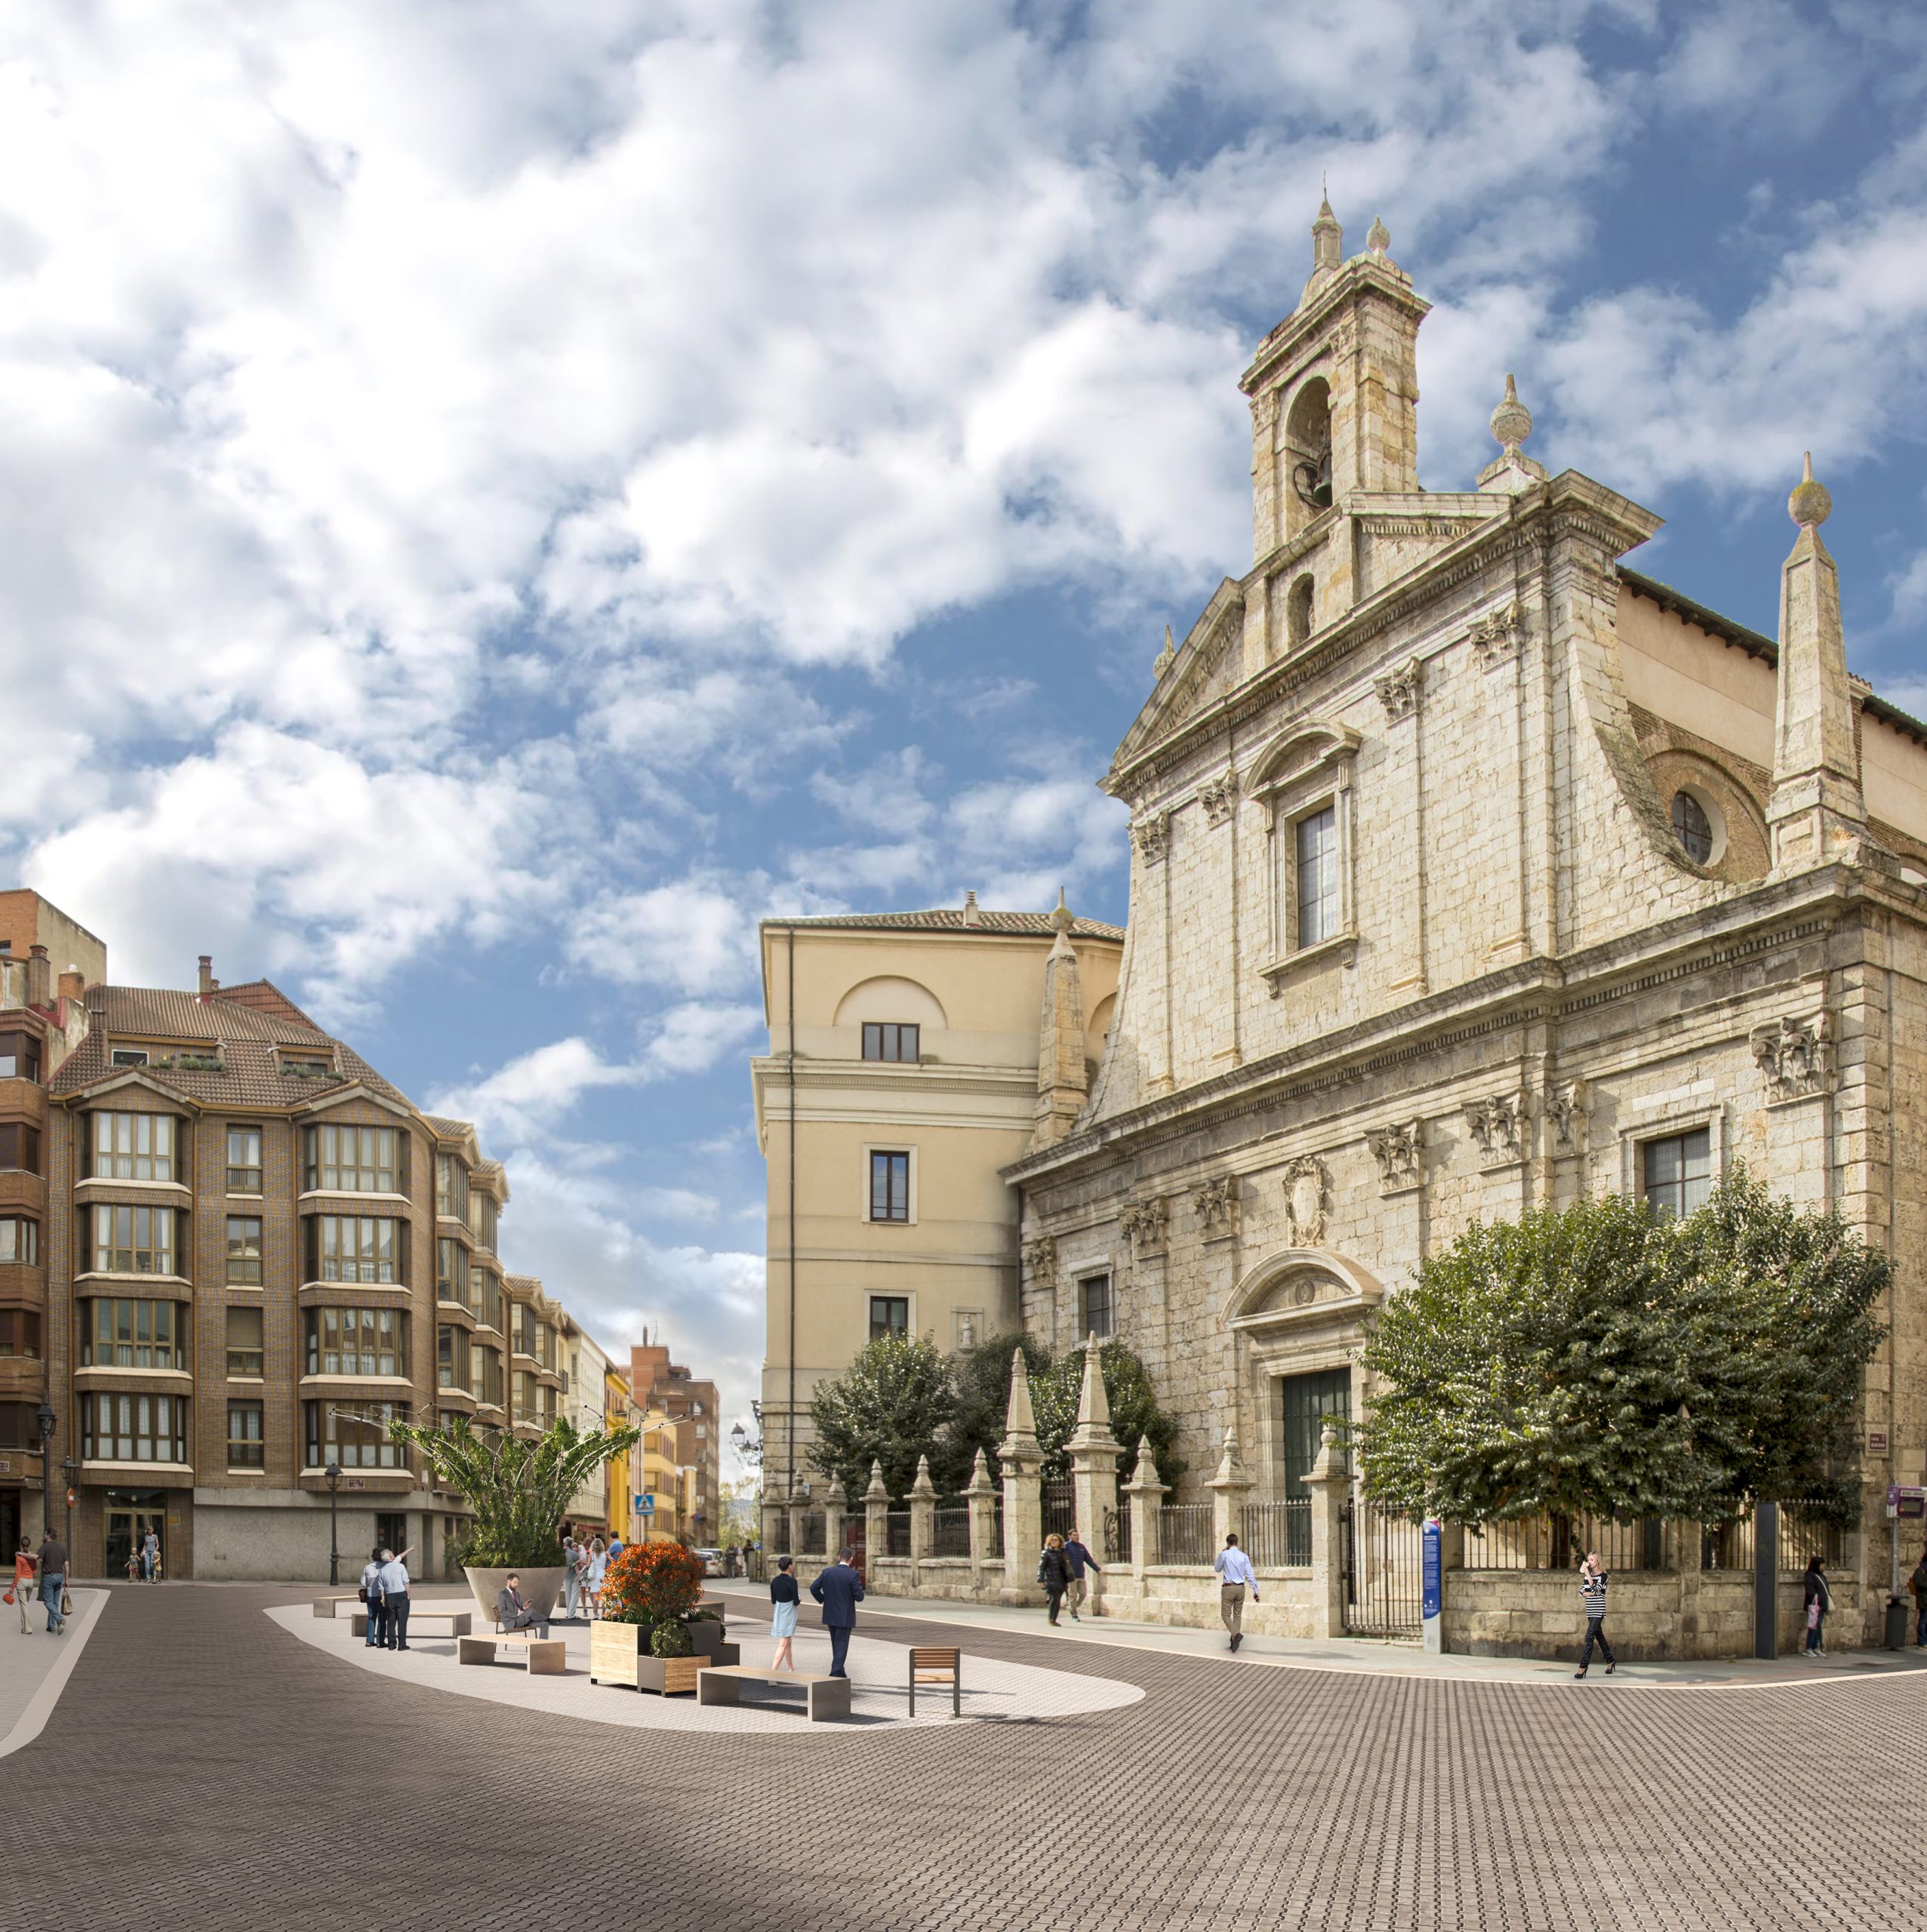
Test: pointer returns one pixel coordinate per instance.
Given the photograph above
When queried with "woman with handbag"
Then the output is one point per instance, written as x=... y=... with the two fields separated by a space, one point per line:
x=1818 y=1600
x=22 y=1593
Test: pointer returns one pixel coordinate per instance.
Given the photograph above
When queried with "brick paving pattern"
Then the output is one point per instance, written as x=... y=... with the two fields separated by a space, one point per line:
x=205 y=1768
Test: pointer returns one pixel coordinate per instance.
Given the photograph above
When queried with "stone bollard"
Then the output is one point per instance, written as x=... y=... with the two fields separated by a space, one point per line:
x=1146 y=1494
x=923 y=1513
x=1329 y=1485
x=980 y=1497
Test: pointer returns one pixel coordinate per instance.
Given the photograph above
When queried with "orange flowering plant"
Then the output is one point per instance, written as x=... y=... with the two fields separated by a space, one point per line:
x=652 y=1582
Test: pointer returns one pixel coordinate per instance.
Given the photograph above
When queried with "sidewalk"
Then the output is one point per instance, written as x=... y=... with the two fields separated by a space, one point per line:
x=1363 y=1655
x=34 y=1668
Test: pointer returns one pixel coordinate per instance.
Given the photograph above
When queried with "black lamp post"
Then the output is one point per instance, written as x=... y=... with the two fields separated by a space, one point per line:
x=48 y=1423
x=333 y=1472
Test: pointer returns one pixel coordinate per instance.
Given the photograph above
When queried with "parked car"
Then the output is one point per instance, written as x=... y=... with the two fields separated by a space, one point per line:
x=711 y=1561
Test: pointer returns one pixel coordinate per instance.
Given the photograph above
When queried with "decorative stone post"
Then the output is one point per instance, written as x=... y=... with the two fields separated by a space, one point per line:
x=1094 y=1452
x=835 y=1508
x=923 y=1513
x=776 y=1525
x=1146 y=1493
x=1022 y=1460
x=799 y=1501
x=1329 y=1484
x=980 y=1497
x=1228 y=1489
x=876 y=1515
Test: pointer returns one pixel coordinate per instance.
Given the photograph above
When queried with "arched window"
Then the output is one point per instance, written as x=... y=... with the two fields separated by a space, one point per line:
x=1297 y=610
x=1304 y=447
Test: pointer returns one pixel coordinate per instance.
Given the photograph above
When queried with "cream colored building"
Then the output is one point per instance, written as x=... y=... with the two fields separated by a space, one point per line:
x=913 y=1056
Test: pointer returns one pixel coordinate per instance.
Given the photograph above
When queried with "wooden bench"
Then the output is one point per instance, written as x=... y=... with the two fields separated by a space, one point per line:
x=825 y=1696
x=931 y=1665
x=458 y=1621
x=542 y=1657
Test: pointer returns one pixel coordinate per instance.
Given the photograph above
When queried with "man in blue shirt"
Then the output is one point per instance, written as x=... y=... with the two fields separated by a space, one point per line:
x=1080 y=1559
x=392 y=1580
x=1234 y=1576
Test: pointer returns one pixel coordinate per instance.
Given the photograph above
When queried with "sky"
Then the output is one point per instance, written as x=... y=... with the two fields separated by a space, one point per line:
x=496 y=497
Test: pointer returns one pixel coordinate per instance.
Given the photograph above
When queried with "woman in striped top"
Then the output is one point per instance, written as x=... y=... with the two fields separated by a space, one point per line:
x=1592 y=1597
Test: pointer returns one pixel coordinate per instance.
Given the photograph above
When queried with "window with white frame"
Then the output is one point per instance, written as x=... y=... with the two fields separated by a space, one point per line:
x=889 y=1186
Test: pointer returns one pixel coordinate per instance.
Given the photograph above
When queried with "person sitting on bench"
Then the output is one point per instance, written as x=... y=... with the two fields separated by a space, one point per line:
x=511 y=1613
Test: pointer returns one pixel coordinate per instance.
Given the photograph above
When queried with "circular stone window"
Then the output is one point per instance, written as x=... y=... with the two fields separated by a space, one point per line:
x=1693 y=828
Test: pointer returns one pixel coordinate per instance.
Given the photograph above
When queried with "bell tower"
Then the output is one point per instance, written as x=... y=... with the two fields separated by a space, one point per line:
x=1334 y=389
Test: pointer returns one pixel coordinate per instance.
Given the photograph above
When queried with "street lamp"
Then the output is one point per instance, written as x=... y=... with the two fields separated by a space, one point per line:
x=48 y=1422
x=333 y=1472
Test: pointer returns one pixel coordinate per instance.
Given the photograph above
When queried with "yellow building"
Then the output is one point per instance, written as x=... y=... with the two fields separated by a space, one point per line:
x=659 y=1475
x=912 y=1056
x=619 y=1499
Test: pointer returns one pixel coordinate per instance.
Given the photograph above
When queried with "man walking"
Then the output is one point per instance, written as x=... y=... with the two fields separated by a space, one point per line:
x=511 y=1613
x=1592 y=1599
x=840 y=1589
x=53 y=1581
x=392 y=1580
x=1079 y=1559
x=1234 y=1576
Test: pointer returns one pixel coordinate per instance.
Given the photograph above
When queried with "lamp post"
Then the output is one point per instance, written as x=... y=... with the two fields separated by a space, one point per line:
x=48 y=1423
x=333 y=1472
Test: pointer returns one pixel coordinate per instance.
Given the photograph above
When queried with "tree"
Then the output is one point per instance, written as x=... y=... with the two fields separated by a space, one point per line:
x=891 y=1405
x=1595 y=1360
x=982 y=1380
x=519 y=1491
x=1134 y=1407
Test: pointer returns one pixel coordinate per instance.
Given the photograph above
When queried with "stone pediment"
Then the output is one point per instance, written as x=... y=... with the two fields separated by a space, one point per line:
x=1208 y=664
x=1300 y=1284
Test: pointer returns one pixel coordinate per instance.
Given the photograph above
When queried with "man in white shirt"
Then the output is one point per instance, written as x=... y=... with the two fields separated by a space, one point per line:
x=1235 y=1576
x=393 y=1579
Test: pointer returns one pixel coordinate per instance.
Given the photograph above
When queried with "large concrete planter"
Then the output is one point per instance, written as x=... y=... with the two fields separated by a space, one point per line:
x=540 y=1588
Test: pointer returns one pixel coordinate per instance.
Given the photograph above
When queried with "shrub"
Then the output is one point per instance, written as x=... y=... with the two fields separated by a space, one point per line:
x=652 y=1582
x=670 y=1640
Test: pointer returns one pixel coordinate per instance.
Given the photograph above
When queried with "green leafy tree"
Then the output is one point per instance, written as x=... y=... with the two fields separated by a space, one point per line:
x=519 y=1491
x=891 y=1405
x=982 y=1380
x=1134 y=1407
x=1596 y=1361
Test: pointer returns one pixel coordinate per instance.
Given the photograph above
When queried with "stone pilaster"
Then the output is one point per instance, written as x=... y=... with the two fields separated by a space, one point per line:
x=1146 y=1494
x=1094 y=1451
x=1021 y=1458
x=980 y=1498
x=1329 y=1483
x=923 y=1513
x=876 y=1514
x=835 y=1508
x=1229 y=1488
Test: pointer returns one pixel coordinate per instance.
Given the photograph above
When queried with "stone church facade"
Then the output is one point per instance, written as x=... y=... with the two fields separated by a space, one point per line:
x=1473 y=870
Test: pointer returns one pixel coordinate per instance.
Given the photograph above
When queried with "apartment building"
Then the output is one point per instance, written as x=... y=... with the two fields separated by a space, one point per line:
x=251 y=1252
x=618 y=1498
x=692 y=1406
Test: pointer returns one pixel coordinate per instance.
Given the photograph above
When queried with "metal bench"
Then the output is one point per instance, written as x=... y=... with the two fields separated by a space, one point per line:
x=933 y=1666
x=541 y=1656
x=824 y=1696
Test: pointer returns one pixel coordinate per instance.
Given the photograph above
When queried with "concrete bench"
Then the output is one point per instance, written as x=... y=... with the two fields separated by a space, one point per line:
x=329 y=1606
x=459 y=1622
x=542 y=1657
x=826 y=1696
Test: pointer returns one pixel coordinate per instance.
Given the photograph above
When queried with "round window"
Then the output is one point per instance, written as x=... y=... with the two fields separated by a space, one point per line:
x=1692 y=828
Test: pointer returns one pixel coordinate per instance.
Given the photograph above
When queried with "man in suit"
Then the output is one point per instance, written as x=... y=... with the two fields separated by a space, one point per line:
x=840 y=1589
x=511 y=1613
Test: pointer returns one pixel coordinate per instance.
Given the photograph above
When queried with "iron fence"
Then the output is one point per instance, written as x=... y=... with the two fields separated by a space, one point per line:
x=897 y=1525
x=816 y=1528
x=1637 y=1544
x=1727 y=1546
x=1060 y=1508
x=1117 y=1536
x=1381 y=1562
x=1277 y=1536
x=952 y=1538
x=1185 y=1533
x=1804 y=1535
x=1525 y=1542
x=1554 y=1542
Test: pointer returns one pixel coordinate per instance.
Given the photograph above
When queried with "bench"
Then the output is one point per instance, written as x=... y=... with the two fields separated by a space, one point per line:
x=542 y=1657
x=825 y=1696
x=934 y=1665
x=458 y=1621
x=328 y=1606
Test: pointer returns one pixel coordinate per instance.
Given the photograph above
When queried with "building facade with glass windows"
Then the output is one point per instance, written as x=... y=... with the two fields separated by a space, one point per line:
x=1472 y=870
x=251 y=1253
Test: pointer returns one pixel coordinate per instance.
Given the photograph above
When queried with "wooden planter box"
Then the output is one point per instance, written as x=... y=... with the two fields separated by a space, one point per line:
x=619 y=1653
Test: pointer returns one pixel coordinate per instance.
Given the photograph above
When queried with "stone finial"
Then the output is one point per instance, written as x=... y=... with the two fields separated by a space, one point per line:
x=1378 y=237
x=1144 y=1476
x=1810 y=505
x=1094 y=1405
x=876 y=1493
x=923 y=1487
x=980 y=1483
x=1019 y=1419
x=1062 y=920
x=1512 y=421
x=1329 y=1465
x=1063 y=1080
x=1230 y=1468
x=1166 y=657
x=836 y=1493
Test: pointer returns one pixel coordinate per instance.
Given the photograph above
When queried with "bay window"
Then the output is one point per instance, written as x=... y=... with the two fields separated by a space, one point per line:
x=354 y=1434
x=20 y=1239
x=133 y=1334
x=132 y=1240
x=349 y=1248
x=133 y=1147
x=133 y=1428
x=350 y=1160
x=358 y=1341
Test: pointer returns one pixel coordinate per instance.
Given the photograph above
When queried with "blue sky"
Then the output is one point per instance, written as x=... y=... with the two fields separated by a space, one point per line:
x=500 y=497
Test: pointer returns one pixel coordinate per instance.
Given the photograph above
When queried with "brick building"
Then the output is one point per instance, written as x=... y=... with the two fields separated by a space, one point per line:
x=252 y=1251
x=1472 y=870
x=666 y=1390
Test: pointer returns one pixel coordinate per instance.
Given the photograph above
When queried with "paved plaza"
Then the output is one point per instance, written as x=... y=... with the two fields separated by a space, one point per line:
x=210 y=1764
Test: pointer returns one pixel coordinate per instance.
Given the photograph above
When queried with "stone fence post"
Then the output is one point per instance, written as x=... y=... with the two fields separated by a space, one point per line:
x=1329 y=1485
x=799 y=1502
x=980 y=1498
x=1229 y=1488
x=1094 y=1451
x=923 y=1513
x=1021 y=1458
x=876 y=1516
x=776 y=1524
x=835 y=1508
x=1147 y=1495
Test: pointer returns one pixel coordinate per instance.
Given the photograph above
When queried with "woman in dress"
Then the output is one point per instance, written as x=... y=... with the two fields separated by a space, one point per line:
x=784 y=1597
x=591 y=1582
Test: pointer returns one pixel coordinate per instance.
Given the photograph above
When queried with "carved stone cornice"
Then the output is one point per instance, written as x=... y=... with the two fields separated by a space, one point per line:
x=1567 y=1106
x=1040 y=1261
x=1219 y=797
x=1146 y=1222
x=1399 y=691
x=1399 y=1151
x=1151 y=833
x=1497 y=636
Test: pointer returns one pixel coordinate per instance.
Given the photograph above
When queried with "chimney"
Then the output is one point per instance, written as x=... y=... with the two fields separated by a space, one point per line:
x=208 y=982
x=971 y=916
x=72 y=984
x=39 y=978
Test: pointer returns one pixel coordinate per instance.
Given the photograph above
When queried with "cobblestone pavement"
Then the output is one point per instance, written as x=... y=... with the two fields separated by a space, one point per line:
x=205 y=1768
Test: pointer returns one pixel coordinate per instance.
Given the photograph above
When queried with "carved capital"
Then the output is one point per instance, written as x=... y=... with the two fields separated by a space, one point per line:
x=1796 y=1056
x=1152 y=834
x=1400 y=1153
x=1146 y=1222
x=1567 y=1107
x=1308 y=1188
x=1219 y=797
x=1498 y=1125
x=1497 y=636
x=1215 y=1204
x=1040 y=1261
x=1399 y=691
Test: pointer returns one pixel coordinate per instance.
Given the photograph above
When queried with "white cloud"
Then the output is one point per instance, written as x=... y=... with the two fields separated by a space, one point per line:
x=692 y=935
x=533 y=1090
x=694 y=1037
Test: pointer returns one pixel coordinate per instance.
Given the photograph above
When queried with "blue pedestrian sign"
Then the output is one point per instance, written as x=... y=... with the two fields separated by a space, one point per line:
x=1431 y=1582
x=645 y=1504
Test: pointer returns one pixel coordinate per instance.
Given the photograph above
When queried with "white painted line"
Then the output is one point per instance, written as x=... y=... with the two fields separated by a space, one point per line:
x=32 y=1720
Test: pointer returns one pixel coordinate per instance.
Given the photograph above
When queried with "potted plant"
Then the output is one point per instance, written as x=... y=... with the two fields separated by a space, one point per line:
x=655 y=1632
x=520 y=1492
